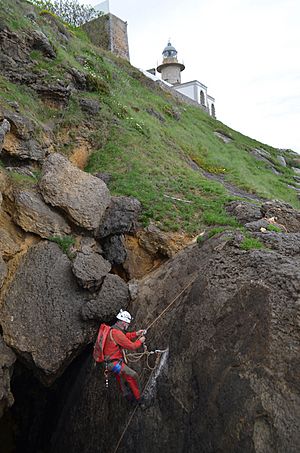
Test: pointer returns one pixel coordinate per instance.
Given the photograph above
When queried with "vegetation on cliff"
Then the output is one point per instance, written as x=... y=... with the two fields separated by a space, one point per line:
x=169 y=155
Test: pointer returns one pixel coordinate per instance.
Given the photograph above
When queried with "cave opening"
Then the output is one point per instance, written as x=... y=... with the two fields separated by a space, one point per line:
x=30 y=423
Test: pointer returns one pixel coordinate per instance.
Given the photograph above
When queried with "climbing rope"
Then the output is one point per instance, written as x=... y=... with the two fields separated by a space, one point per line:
x=135 y=357
x=172 y=303
x=134 y=410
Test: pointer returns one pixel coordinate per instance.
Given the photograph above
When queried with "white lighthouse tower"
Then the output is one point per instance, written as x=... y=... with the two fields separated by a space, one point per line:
x=170 y=68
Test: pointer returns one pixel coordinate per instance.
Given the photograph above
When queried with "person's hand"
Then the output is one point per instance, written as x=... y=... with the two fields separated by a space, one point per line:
x=142 y=339
x=141 y=332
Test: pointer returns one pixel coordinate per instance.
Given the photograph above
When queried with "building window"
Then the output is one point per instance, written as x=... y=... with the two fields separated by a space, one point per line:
x=202 y=98
x=213 y=111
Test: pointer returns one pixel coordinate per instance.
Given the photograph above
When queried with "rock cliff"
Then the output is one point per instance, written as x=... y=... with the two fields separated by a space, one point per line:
x=77 y=246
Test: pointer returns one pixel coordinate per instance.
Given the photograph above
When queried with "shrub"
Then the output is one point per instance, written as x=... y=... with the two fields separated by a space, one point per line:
x=69 y=11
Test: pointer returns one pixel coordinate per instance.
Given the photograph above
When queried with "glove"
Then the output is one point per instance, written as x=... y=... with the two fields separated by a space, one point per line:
x=141 y=332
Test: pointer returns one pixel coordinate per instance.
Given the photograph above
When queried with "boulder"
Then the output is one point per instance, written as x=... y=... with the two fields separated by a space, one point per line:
x=90 y=269
x=244 y=211
x=18 y=140
x=39 y=41
x=3 y=271
x=77 y=78
x=89 y=106
x=120 y=217
x=40 y=312
x=114 y=249
x=281 y=161
x=32 y=214
x=82 y=196
x=7 y=359
x=113 y=296
x=284 y=214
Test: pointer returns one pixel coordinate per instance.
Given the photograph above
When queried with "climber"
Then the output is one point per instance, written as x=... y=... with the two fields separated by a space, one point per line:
x=115 y=344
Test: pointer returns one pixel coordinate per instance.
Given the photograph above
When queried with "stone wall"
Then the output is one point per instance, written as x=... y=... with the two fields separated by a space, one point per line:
x=110 y=33
x=119 y=37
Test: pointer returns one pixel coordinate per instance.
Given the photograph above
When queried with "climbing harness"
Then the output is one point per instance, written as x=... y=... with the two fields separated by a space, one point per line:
x=106 y=374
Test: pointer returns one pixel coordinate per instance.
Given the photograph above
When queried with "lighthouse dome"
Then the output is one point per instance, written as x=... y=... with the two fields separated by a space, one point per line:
x=169 y=51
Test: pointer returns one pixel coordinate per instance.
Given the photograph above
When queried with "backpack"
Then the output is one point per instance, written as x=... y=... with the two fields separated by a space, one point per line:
x=100 y=343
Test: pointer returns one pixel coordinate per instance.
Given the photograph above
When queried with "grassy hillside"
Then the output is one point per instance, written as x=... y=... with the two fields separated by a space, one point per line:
x=154 y=147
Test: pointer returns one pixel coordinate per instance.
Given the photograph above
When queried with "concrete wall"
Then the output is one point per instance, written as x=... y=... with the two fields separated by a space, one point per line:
x=110 y=33
x=98 y=31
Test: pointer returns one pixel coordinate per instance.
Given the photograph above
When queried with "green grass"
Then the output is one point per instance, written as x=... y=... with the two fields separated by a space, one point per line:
x=23 y=180
x=274 y=228
x=249 y=243
x=215 y=231
x=147 y=158
x=64 y=242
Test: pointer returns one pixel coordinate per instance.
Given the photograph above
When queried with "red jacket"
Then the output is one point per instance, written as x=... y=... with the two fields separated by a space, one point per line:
x=113 y=350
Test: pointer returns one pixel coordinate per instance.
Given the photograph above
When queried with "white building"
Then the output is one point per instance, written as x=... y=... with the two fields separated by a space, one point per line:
x=198 y=92
x=171 y=69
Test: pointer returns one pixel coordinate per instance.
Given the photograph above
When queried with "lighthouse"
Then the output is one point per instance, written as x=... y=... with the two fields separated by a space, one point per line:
x=170 y=68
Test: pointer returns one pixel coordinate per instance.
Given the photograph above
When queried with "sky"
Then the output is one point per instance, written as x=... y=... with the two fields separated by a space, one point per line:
x=247 y=52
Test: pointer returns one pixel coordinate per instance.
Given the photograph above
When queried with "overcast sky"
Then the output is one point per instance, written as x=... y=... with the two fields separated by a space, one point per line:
x=247 y=52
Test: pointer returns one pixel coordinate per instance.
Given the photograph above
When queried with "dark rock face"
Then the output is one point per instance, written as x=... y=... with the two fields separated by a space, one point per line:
x=114 y=250
x=13 y=51
x=283 y=243
x=113 y=296
x=32 y=214
x=244 y=211
x=7 y=359
x=83 y=197
x=229 y=382
x=120 y=217
x=40 y=313
x=90 y=270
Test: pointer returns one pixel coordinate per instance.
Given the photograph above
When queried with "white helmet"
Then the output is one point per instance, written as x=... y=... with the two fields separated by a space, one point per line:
x=124 y=316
